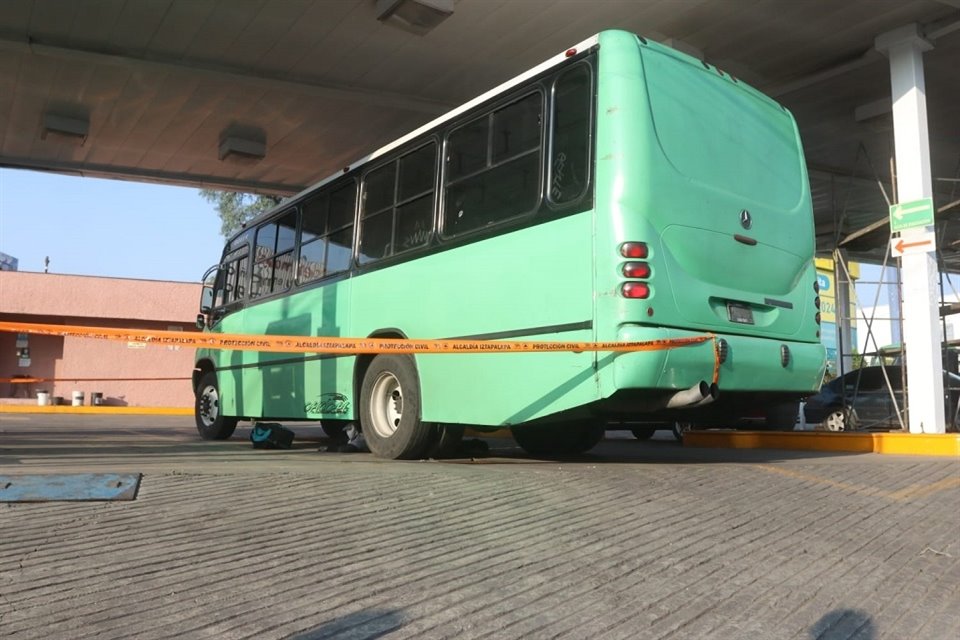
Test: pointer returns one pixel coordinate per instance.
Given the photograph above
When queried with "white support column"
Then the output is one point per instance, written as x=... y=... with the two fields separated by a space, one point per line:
x=921 y=331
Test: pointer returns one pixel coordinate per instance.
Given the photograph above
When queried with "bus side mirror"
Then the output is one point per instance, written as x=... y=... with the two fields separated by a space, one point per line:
x=206 y=293
x=206 y=300
x=201 y=321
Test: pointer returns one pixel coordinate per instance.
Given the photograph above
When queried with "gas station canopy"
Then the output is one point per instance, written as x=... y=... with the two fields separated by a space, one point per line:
x=270 y=97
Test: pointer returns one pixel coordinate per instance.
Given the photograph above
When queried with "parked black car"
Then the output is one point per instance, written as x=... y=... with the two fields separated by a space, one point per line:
x=861 y=400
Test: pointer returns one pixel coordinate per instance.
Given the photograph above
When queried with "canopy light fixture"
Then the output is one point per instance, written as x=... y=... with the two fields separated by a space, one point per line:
x=237 y=148
x=415 y=16
x=66 y=128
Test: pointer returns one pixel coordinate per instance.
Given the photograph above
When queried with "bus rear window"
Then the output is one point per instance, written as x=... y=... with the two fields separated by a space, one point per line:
x=570 y=144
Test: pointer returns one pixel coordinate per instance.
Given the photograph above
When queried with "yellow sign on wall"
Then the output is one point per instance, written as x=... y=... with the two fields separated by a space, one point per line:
x=828 y=293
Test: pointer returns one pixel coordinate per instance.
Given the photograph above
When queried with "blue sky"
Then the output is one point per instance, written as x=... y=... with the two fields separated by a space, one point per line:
x=97 y=227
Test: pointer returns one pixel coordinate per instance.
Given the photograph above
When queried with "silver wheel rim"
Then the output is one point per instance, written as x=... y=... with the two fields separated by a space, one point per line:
x=836 y=421
x=386 y=405
x=209 y=405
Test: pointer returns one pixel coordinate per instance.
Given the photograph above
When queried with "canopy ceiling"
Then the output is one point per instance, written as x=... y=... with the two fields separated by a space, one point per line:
x=151 y=90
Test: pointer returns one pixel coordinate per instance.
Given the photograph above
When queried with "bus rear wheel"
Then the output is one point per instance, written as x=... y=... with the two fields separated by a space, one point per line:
x=444 y=441
x=559 y=439
x=390 y=409
x=211 y=423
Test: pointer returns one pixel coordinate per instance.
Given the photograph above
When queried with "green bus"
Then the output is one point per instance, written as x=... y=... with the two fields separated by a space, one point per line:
x=620 y=191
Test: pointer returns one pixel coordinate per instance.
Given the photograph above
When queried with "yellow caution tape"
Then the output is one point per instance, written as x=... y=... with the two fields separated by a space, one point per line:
x=30 y=380
x=349 y=346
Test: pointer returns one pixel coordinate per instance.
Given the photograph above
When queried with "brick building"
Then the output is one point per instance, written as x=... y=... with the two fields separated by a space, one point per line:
x=109 y=302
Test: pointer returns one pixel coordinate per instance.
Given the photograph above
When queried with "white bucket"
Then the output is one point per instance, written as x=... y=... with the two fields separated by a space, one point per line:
x=77 y=398
x=43 y=398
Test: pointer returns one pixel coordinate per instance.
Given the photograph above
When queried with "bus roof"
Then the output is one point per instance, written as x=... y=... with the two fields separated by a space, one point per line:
x=553 y=61
x=540 y=68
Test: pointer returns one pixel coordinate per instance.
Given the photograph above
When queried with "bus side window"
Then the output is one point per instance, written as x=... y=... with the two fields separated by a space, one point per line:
x=376 y=215
x=240 y=292
x=219 y=289
x=397 y=212
x=283 y=261
x=326 y=235
x=343 y=204
x=413 y=226
x=493 y=167
x=569 y=161
x=313 y=240
x=263 y=260
x=273 y=256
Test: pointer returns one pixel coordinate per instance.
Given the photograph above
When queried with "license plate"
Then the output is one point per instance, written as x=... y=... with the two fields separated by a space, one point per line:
x=739 y=313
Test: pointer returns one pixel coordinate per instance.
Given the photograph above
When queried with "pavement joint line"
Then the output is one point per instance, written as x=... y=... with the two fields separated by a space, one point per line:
x=913 y=491
x=924 y=490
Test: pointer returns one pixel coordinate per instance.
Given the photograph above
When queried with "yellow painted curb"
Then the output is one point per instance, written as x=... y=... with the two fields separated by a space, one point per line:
x=152 y=411
x=910 y=444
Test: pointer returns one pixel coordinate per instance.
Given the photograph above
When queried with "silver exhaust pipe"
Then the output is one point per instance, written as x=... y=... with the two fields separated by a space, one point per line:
x=713 y=395
x=689 y=397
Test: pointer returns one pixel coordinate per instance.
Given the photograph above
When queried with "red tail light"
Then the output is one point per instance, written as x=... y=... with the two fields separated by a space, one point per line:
x=635 y=290
x=634 y=250
x=636 y=270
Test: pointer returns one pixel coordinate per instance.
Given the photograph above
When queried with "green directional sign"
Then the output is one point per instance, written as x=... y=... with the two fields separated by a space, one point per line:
x=908 y=215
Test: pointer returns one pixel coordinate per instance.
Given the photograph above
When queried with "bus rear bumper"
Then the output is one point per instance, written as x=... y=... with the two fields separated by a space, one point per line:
x=750 y=364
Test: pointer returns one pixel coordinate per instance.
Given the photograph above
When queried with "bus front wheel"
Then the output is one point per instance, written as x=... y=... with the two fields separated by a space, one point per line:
x=390 y=409
x=559 y=439
x=211 y=423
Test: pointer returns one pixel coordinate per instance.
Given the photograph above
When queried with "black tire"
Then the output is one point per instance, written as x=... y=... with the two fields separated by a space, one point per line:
x=643 y=433
x=781 y=417
x=211 y=423
x=559 y=439
x=390 y=409
x=680 y=428
x=445 y=441
x=334 y=430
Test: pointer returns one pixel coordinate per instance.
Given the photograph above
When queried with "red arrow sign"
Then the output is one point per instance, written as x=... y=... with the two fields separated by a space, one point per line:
x=901 y=245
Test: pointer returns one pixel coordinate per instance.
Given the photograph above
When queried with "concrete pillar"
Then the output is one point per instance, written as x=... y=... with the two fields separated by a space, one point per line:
x=921 y=332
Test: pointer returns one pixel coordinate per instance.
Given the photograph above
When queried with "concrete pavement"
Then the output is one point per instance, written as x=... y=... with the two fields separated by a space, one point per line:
x=636 y=540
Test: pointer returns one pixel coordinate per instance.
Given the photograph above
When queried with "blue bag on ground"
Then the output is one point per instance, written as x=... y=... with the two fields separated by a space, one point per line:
x=270 y=435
